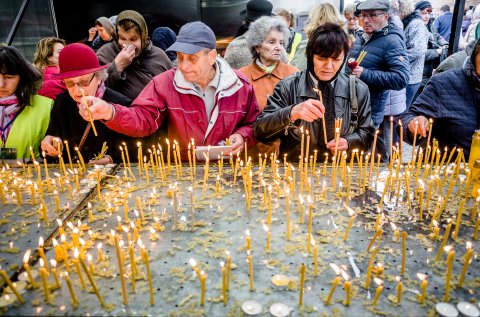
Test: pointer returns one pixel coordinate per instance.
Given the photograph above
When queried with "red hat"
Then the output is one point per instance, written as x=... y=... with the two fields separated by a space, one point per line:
x=77 y=59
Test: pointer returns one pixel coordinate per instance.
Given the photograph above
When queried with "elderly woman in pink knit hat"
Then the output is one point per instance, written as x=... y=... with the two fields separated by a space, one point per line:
x=83 y=76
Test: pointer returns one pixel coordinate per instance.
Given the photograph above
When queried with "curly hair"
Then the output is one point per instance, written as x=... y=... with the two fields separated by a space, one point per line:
x=12 y=62
x=260 y=28
x=44 y=50
x=321 y=14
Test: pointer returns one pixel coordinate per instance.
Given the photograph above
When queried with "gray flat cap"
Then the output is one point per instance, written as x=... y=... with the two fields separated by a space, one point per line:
x=383 y=5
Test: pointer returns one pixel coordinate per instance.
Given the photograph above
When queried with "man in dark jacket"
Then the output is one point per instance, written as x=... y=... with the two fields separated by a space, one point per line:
x=385 y=66
x=451 y=99
x=296 y=103
x=444 y=22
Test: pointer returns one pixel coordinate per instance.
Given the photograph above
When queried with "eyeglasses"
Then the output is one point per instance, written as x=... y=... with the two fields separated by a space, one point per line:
x=81 y=83
x=371 y=15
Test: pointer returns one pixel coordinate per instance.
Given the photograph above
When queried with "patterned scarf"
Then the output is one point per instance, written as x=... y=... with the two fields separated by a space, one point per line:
x=266 y=69
x=8 y=110
x=469 y=70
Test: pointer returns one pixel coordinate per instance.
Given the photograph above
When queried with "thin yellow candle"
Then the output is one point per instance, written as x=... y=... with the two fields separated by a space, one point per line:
x=287 y=214
x=80 y=157
x=248 y=239
x=26 y=258
x=451 y=255
x=414 y=141
x=348 y=288
x=100 y=256
x=53 y=264
x=43 y=275
x=144 y=254
x=377 y=235
x=41 y=252
x=335 y=282
x=400 y=146
x=315 y=260
x=423 y=286
x=224 y=282
x=302 y=284
x=466 y=263
x=71 y=290
x=459 y=218
x=229 y=267
x=250 y=269
x=76 y=263
x=88 y=111
x=399 y=290
x=369 y=269
x=168 y=156
x=90 y=279
x=404 y=251
x=267 y=245
x=475 y=231
x=372 y=157
x=421 y=191
x=350 y=223
x=310 y=221
x=474 y=209
x=68 y=154
x=203 y=282
x=120 y=267
x=378 y=292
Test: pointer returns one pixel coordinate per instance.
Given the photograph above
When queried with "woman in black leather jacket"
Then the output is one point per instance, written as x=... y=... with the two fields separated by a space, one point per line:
x=294 y=102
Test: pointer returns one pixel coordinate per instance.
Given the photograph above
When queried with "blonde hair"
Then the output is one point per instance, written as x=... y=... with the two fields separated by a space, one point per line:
x=44 y=50
x=321 y=14
x=288 y=16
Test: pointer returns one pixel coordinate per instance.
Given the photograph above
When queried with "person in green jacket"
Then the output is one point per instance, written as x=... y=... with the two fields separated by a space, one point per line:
x=24 y=115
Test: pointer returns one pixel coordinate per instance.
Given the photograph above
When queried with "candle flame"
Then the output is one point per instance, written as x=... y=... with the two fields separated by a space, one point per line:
x=350 y=210
x=378 y=281
x=335 y=268
x=53 y=263
x=193 y=263
x=99 y=245
x=119 y=219
x=227 y=253
x=398 y=278
x=435 y=223
x=152 y=231
x=55 y=242
x=42 y=264
x=312 y=240
x=121 y=243
x=394 y=227
x=222 y=264
x=448 y=248
x=422 y=276
x=265 y=227
x=247 y=232
x=345 y=276
x=40 y=242
x=26 y=256
x=469 y=245
x=89 y=257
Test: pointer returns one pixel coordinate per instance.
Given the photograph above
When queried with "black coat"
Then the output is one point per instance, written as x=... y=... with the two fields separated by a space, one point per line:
x=274 y=121
x=67 y=124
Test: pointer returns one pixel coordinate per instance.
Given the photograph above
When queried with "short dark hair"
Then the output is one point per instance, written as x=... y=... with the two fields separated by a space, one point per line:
x=12 y=62
x=327 y=40
x=445 y=8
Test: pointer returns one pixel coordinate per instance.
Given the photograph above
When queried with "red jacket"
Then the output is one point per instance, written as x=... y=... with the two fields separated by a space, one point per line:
x=162 y=100
x=51 y=87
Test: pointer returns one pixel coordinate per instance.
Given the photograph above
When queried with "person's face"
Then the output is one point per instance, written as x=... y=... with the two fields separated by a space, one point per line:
x=8 y=84
x=326 y=67
x=104 y=35
x=373 y=20
x=56 y=51
x=89 y=83
x=131 y=37
x=352 y=21
x=196 y=67
x=425 y=13
x=271 y=49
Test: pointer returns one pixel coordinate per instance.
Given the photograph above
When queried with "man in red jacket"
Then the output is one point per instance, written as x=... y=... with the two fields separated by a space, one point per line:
x=204 y=99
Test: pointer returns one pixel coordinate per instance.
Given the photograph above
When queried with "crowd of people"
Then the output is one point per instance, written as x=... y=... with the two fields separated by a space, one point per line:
x=378 y=61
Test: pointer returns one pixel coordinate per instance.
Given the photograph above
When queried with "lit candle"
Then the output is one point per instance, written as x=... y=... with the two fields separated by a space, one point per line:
x=423 y=286
x=372 y=157
x=315 y=262
x=250 y=268
x=451 y=255
x=203 y=280
x=53 y=263
x=444 y=241
x=474 y=209
x=475 y=231
x=348 y=288
x=404 y=251
x=76 y=263
x=100 y=256
x=421 y=191
x=400 y=146
x=41 y=252
x=335 y=282
x=43 y=275
x=26 y=258
x=399 y=290
x=80 y=157
x=71 y=290
x=120 y=267
x=302 y=284
x=224 y=283
x=369 y=269
x=350 y=223
x=267 y=245
x=379 y=290
x=436 y=230
x=466 y=263
x=229 y=267
x=248 y=238
x=149 y=274
x=459 y=218
x=378 y=235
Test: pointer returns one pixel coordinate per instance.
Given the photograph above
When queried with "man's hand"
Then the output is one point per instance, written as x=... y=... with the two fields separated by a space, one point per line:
x=124 y=58
x=423 y=126
x=100 y=109
x=237 y=142
x=357 y=71
x=308 y=110
x=107 y=159
x=342 y=145
x=49 y=145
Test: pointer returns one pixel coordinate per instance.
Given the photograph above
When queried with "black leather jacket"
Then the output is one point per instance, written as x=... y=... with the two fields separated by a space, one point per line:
x=274 y=121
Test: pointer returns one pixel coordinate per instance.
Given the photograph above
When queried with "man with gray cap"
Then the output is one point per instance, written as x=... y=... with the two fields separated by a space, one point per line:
x=385 y=66
x=203 y=99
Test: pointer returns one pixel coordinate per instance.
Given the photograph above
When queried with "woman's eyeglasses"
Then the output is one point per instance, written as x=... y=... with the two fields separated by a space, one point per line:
x=80 y=83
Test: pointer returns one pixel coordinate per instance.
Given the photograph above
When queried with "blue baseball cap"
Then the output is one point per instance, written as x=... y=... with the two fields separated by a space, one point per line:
x=192 y=38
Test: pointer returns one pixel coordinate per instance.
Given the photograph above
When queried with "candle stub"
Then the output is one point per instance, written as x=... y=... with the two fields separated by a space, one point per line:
x=446 y=310
x=468 y=309
x=280 y=280
x=7 y=300
x=279 y=310
x=251 y=307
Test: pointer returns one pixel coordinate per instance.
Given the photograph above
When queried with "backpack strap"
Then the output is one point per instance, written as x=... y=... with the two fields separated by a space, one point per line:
x=353 y=103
